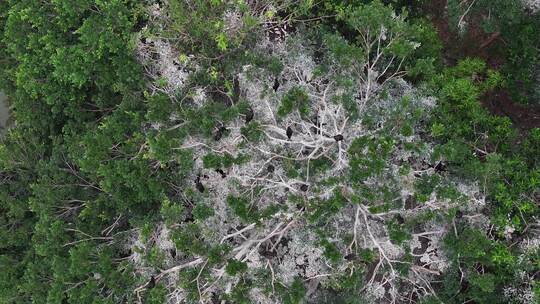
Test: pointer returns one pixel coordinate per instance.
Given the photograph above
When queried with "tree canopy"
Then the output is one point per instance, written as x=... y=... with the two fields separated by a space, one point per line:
x=216 y=151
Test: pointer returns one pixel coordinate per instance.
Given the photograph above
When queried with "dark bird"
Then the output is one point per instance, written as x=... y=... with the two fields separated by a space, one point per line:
x=276 y=85
x=199 y=185
x=316 y=128
x=218 y=96
x=270 y=168
x=152 y=283
x=249 y=115
x=223 y=175
x=269 y=254
x=307 y=151
x=304 y=187
x=140 y=24
x=366 y=69
x=236 y=90
x=289 y=132
x=318 y=55
x=440 y=167
x=338 y=137
x=351 y=257
x=219 y=133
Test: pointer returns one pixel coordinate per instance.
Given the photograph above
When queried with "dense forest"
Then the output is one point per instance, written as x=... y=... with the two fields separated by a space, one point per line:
x=270 y=151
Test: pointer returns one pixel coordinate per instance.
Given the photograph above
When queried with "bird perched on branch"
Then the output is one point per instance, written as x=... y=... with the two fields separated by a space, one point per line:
x=249 y=115
x=289 y=132
x=198 y=184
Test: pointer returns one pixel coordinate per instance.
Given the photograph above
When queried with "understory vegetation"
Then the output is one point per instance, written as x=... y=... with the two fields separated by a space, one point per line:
x=249 y=151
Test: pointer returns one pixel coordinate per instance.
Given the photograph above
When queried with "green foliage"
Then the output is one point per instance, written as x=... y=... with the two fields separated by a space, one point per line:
x=369 y=156
x=331 y=252
x=397 y=232
x=188 y=282
x=95 y=156
x=171 y=212
x=188 y=239
x=503 y=12
x=202 y=21
x=319 y=166
x=293 y=294
x=523 y=57
x=485 y=283
x=67 y=66
x=488 y=264
x=202 y=211
x=240 y=293
x=516 y=26
x=344 y=289
x=367 y=256
x=217 y=253
x=426 y=185
x=322 y=210
x=155 y=257
x=157 y=295
x=215 y=161
x=530 y=148
x=208 y=118
x=252 y=132
x=460 y=91
x=295 y=99
x=415 y=43
x=481 y=146
x=235 y=267
x=242 y=208
x=161 y=147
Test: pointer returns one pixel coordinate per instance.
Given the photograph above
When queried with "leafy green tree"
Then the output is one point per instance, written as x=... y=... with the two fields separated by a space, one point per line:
x=510 y=20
